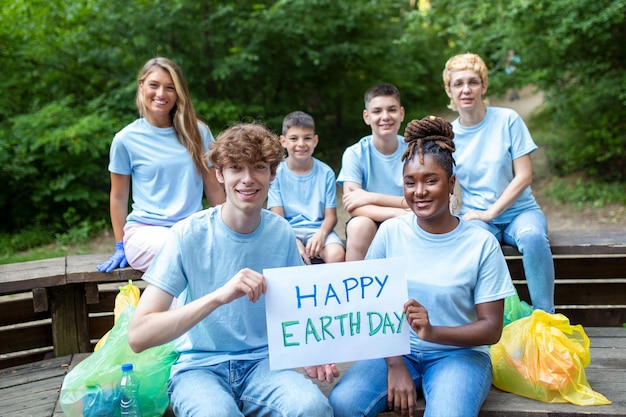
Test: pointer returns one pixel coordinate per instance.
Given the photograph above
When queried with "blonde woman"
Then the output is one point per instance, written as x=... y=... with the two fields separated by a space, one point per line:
x=494 y=170
x=161 y=155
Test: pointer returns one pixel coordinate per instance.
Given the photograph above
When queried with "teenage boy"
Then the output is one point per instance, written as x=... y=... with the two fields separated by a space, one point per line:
x=371 y=171
x=215 y=258
x=305 y=192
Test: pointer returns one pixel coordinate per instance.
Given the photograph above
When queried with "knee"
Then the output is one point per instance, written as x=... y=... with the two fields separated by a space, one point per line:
x=340 y=408
x=214 y=409
x=344 y=401
x=313 y=406
x=334 y=253
x=360 y=226
x=532 y=237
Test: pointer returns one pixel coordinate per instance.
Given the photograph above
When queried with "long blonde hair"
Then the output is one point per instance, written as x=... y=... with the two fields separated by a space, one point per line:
x=183 y=114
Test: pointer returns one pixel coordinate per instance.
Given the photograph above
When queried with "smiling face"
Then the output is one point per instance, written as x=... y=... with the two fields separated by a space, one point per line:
x=158 y=95
x=466 y=89
x=384 y=114
x=427 y=188
x=300 y=142
x=246 y=186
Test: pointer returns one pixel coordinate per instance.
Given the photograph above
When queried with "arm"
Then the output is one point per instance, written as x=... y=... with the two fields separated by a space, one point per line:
x=486 y=330
x=316 y=243
x=154 y=323
x=378 y=207
x=523 y=177
x=118 y=203
x=281 y=212
x=212 y=188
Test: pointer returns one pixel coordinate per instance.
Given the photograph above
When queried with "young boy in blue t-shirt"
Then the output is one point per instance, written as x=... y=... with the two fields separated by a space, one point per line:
x=371 y=171
x=304 y=192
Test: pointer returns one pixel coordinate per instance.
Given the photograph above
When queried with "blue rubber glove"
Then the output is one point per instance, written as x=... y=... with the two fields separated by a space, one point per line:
x=118 y=259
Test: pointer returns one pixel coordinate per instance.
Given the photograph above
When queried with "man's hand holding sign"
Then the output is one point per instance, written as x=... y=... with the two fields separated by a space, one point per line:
x=327 y=313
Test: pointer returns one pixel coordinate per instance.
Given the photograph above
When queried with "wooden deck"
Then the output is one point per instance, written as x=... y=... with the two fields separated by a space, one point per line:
x=60 y=307
x=32 y=390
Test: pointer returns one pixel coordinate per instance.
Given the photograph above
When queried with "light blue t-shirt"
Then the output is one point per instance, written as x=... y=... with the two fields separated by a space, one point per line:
x=304 y=197
x=484 y=161
x=166 y=186
x=363 y=164
x=201 y=255
x=447 y=273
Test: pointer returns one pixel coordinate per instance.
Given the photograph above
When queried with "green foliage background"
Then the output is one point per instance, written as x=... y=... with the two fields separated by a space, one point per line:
x=68 y=73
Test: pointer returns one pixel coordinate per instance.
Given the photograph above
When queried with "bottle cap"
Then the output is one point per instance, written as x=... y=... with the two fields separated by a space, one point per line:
x=127 y=367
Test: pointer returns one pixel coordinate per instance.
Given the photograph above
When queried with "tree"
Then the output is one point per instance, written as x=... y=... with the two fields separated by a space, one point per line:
x=572 y=50
x=68 y=70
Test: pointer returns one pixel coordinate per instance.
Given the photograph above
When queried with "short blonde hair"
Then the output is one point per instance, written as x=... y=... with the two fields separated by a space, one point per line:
x=463 y=62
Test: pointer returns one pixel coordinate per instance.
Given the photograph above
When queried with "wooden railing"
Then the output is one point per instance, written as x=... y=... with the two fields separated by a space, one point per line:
x=61 y=306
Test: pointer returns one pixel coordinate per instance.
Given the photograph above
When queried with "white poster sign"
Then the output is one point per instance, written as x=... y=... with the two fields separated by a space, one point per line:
x=339 y=312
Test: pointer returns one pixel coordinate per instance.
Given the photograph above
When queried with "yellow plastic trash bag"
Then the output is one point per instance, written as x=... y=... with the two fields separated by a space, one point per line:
x=543 y=357
x=128 y=296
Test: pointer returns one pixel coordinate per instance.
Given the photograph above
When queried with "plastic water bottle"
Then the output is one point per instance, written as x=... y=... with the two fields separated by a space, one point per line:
x=129 y=393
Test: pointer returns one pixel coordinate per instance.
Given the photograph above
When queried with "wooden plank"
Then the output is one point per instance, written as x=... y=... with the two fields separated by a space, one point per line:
x=582 y=242
x=82 y=268
x=577 y=267
x=16 y=339
x=591 y=267
x=82 y=323
x=24 y=276
x=40 y=300
x=25 y=358
x=33 y=389
x=589 y=293
x=33 y=372
x=503 y=404
x=600 y=333
x=607 y=382
x=99 y=325
x=605 y=375
x=607 y=358
x=91 y=293
x=19 y=310
x=582 y=292
x=106 y=302
x=596 y=317
x=65 y=314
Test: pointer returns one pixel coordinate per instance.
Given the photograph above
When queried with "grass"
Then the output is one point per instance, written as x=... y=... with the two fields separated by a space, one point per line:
x=35 y=244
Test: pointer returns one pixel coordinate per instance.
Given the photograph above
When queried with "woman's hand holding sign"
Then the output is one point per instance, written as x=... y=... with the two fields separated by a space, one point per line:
x=417 y=316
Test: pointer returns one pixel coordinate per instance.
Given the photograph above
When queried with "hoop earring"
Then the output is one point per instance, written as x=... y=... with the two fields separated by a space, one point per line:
x=454 y=203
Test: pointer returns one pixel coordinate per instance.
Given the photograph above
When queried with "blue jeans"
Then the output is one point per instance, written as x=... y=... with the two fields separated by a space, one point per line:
x=454 y=384
x=528 y=232
x=249 y=388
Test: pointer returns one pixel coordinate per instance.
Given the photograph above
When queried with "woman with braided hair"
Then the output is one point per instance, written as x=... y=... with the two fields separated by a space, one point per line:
x=494 y=171
x=457 y=282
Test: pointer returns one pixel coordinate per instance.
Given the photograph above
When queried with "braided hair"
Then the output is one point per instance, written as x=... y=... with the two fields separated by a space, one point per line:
x=433 y=136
